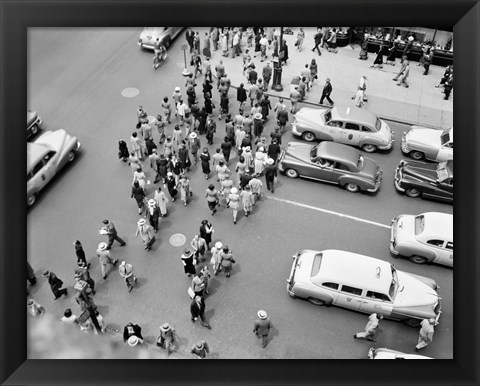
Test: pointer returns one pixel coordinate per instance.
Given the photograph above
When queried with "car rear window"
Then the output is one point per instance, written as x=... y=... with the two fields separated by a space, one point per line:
x=419 y=224
x=378 y=124
x=317 y=261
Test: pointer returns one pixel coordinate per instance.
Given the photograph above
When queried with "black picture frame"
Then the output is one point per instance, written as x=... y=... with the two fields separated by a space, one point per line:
x=17 y=16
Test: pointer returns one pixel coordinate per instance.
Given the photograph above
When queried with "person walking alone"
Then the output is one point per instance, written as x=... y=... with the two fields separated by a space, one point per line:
x=184 y=188
x=212 y=198
x=404 y=76
x=370 y=328
x=126 y=272
x=167 y=338
x=146 y=233
x=187 y=261
x=426 y=333
x=226 y=260
x=55 y=284
x=317 y=41
x=161 y=201
x=234 y=199
x=153 y=214
x=110 y=230
x=80 y=253
x=197 y=310
x=270 y=174
x=216 y=257
x=139 y=195
x=262 y=326
x=200 y=350
x=327 y=90
x=105 y=258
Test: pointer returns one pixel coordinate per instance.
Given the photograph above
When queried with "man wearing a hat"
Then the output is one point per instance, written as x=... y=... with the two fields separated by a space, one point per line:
x=132 y=330
x=262 y=327
x=216 y=257
x=266 y=75
x=257 y=125
x=153 y=214
x=167 y=338
x=270 y=173
x=112 y=234
x=200 y=350
x=426 y=333
x=146 y=233
x=370 y=328
x=194 y=144
x=295 y=97
x=55 y=284
x=35 y=309
x=188 y=264
x=197 y=310
x=126 y=272
x=327 y=90
x=82 y=273
x=105 y=258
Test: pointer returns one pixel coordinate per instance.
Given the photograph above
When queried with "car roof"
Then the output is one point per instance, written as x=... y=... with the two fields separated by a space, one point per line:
x=354 y=270
x=354 y=114
x=35 y=152
x=338 y=152
x=438 y=225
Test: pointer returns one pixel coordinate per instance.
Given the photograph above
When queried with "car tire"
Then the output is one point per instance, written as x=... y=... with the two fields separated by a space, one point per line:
x=412 y=322
x=316 y=301
x=352 y=188
x=71 y=156
x=416 y=155
x=291 y=173
x=413 y=192
x=31 y=200
x=34 y=130
x=418 y=259
x=368 y=148
x=308 y=136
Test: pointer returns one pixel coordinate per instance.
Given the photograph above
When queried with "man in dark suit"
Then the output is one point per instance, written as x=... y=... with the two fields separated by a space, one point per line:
x=262 y=327
x=197 y=310
x=327 y=90
x=55 y=284
x=112 y=234
x=318 y=40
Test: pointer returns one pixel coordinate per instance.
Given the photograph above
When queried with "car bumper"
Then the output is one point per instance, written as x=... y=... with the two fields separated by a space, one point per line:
x=393 y=227
x=404 y=146
x=145 y=45
x=397 y=185
x=389 y=145
x=377 y=183
x=295 y=130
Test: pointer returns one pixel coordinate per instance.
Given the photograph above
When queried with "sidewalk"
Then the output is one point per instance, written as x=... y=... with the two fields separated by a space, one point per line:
x=420 y=104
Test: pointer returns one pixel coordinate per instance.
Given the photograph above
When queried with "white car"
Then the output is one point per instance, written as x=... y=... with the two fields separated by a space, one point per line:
x=386 y=353
x=430 y=144
x=150 y=34
x=426 y=238
x=364 y=284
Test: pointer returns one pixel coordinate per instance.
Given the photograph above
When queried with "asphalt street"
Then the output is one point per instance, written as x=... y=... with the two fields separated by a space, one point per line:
x=76 y=77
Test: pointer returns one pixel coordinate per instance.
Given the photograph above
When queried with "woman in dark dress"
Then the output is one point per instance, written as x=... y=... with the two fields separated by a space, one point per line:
x=162 y=167
x=80 y=253
x=266 y=107
x=207 y=88
x=205 y=160
x=202 y=120
x=209 y=106
x=191 y=96
x=123 y=150
x=379 y=59
x=206 y=230
x=392 y=52
x=171 y=185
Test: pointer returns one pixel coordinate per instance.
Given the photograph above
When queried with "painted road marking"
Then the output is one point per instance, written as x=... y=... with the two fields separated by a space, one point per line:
x=177 y=240
x=130 y=92
x=329 y=212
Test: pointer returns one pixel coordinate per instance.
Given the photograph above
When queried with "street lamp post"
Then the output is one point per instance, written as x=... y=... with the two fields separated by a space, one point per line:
x=185 y=72
x=277 y=67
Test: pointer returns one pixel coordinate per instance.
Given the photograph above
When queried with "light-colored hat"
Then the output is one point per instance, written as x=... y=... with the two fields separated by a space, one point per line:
x=123 y=263
x=410 y=38
x=165 y=327
x=262 y=314
x=234 y=190
x=141 y=221
x=431 y=320
x=218 y=245
x=193 y=135
x=169 y=174
x=132 y=341
x=151 y=202
x=30 y=302
x=187 y=252
x=102 y=246
x=199 y=345
x=46 y=273
x=177 y=88
x=257 y=116
x=270 y=161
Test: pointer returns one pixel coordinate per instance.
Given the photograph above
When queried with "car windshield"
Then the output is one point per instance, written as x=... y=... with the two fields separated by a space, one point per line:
x=419 y=224
x=313 y=152
x=378 y=124
x=445 y=137
x=394 y=285
x=317 y=261
x=328 y=116
x=442 y=172
x=360 y=162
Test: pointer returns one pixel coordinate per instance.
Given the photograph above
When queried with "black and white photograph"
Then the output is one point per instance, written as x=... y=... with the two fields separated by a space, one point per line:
x=240 y=192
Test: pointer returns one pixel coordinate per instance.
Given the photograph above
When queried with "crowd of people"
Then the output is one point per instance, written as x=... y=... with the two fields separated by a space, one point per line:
x=236 y=155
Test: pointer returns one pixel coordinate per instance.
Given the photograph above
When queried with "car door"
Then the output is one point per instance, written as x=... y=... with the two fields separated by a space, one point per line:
x=349 y=297
x=322 y=169
x=334 y=128
x=376 y=302
x=351 y=134
x=445 y=254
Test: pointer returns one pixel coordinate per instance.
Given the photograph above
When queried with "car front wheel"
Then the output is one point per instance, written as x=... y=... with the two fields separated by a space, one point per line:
x=316 y=301
x=291 y=173
x=412 y=322
x=308 y=136
x=418 y=259
x=369 y=148
x=416 y=155
x=352 y=188
x=71 y=156
x=31 y=199
x=413 y=192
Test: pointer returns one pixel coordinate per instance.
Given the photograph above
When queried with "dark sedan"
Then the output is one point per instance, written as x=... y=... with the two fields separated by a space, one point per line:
x=419 y=179
x=331 y=162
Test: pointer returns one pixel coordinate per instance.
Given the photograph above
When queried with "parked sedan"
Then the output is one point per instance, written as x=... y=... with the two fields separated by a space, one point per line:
x=364 y=284
x=419 y=179
x=430 y=144
x=50 y=152
x=34 y=123
x=386 y=353
x=331 y=162
x=150 y=34
x=344 y=124
x=426 y=238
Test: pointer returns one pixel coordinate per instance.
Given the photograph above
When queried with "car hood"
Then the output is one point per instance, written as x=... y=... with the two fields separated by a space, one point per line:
x=424 y=136
x=299 y=150
x=56 y=140
x=311 y=117
x=385 y=353
x=416 y=293
x=31 y=117
x=151 y=34
x=420 y=170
